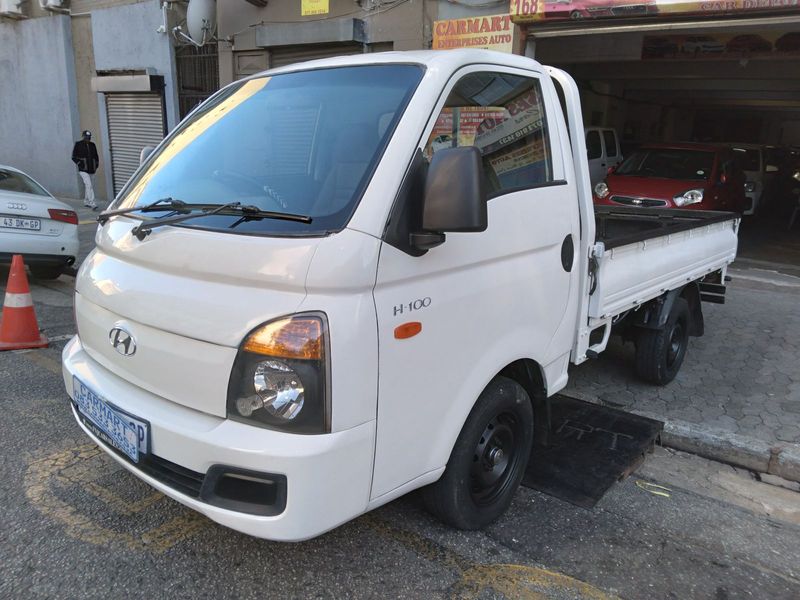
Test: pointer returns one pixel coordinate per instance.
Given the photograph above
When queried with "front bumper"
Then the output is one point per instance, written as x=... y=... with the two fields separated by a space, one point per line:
x=327 y=477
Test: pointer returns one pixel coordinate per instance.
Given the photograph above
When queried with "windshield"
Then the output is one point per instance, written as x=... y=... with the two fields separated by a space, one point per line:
x=12 y=181
x=303 y=143
x=668 y=163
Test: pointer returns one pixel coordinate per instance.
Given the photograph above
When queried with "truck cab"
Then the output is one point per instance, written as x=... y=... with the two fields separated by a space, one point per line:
x=343 y=280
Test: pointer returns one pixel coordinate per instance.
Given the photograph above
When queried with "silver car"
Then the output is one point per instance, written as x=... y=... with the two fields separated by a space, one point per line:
x=35 y=224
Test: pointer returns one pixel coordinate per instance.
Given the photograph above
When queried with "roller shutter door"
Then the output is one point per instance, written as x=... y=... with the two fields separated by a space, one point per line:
x=135 y=120
x=287 y=55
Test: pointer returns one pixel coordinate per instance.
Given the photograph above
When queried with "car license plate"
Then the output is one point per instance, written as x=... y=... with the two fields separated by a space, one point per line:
x=115 y=427
x=17 y=223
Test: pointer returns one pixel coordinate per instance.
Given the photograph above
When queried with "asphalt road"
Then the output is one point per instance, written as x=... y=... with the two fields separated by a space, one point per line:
x=74 y=524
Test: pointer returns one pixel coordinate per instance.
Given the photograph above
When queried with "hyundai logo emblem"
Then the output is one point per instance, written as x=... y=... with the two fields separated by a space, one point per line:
x=122 y=341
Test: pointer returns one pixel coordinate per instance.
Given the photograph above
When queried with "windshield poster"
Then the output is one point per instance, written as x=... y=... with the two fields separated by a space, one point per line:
x=538 y=11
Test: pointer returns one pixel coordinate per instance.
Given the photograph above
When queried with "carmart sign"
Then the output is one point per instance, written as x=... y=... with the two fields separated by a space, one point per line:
x=494 y=32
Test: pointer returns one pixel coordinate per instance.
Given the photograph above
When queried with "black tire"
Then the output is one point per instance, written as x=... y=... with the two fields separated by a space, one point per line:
x=46 y=272
x=660 y=352
x=488 y=460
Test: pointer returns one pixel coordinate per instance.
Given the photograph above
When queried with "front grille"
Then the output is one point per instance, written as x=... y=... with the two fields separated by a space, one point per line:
x=629 y=10
x=631 y=201
x=179 y=478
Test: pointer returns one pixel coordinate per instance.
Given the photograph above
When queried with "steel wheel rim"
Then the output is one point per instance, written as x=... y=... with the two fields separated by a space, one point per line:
x=675 y=344
x=495 y=458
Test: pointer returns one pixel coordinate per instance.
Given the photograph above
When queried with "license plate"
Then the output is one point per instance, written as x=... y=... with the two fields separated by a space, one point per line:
x=113 y=426
x=16 y=223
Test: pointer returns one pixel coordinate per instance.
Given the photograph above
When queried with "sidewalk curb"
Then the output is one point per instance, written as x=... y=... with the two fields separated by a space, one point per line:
x=781 y=459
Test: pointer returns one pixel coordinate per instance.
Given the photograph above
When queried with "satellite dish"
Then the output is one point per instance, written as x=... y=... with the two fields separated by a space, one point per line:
x=201 y=20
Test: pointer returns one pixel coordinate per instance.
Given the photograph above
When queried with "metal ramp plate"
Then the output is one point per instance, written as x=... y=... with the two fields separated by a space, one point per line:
x=591 y=447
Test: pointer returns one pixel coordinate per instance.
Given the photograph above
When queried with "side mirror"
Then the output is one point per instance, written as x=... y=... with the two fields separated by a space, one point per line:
x=611 y=169
x=146 y=151
x=455 y=196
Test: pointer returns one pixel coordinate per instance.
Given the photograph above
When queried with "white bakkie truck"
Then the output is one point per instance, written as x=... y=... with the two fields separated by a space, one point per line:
x=342 y=280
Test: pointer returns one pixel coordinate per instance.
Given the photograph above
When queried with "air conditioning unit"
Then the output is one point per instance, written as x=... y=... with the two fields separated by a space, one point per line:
x=54 y=5
x=13 y=9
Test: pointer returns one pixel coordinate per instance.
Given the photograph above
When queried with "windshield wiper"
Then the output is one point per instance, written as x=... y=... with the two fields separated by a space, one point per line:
x=250 y=212
x=167 y=203
x=247 y=212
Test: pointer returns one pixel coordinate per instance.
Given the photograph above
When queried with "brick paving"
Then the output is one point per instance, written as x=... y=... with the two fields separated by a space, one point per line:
x=742 y=376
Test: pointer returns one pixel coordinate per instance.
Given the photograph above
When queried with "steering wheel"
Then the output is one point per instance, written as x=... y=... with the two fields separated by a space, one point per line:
x=278 y=203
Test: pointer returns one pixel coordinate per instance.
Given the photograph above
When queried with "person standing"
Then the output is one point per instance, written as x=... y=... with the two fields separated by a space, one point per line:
x=84 y=154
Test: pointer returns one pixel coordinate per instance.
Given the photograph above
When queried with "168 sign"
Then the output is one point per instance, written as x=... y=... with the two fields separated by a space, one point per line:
x=526 y=10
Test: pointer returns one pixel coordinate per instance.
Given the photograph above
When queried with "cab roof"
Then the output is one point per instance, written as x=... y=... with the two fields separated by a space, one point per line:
x=445 y=60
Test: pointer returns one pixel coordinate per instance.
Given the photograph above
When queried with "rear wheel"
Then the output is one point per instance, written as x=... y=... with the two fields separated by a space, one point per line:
x=488 y=460
x=660 y=352
x=46 y=272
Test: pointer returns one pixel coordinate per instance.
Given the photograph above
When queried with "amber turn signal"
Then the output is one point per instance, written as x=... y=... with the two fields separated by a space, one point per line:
x=407 y=330
x=298 y=337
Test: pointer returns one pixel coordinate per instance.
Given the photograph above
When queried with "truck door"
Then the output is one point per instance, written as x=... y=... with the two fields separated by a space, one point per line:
x=482 y=300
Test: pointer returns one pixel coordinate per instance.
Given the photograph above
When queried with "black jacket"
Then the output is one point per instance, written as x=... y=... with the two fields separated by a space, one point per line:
x=84 y=154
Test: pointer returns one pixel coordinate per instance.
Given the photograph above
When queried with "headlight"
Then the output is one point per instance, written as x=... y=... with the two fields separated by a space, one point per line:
x=601 y=190
x=796 y=175
x=690 y=197
x=749 y=186
x=279 y=379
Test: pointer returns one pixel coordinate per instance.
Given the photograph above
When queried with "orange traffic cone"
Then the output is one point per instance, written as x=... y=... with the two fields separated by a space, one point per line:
x=18 y=327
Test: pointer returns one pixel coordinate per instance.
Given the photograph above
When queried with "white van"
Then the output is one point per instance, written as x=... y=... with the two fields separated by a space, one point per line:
x=299 y=309
x=603 y=150
x=752 y=159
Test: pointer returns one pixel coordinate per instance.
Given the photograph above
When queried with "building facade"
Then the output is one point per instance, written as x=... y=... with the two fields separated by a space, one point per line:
x=109 y=66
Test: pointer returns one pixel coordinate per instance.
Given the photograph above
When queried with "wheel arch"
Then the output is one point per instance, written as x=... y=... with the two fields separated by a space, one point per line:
x=530 y=375
x=655 y=314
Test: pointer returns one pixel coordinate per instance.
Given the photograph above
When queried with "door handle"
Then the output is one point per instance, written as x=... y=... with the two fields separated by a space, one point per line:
x=567 y=253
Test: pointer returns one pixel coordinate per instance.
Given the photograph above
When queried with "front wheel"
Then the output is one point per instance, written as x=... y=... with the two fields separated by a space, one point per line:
x=660 y=352
x=488 y=460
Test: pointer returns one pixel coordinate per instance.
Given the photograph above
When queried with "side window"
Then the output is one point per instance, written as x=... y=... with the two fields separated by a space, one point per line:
x=593 y=145
x=503 y=116
x=610 y=140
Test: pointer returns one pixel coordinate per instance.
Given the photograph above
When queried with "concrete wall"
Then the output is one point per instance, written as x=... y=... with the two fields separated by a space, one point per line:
x=466 y=8
x=405 y=25
x=88 y=109
x=124 y=38
x=38 y=101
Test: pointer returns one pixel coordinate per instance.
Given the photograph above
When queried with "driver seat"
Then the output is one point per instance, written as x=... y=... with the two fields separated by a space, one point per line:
x=351 y=154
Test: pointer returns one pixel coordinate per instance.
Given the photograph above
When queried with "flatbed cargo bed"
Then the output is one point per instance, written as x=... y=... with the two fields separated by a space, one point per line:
x=649 y=251
x=624 y=225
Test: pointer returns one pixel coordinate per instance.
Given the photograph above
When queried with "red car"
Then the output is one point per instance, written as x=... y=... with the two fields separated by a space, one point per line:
x=696 y=176
x=580 y=9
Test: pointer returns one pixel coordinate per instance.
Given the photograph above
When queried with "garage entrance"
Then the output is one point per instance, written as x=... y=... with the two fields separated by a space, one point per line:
x=726 y=80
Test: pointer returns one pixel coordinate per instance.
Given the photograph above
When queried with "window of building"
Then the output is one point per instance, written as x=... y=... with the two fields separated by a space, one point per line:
x=502 y=115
